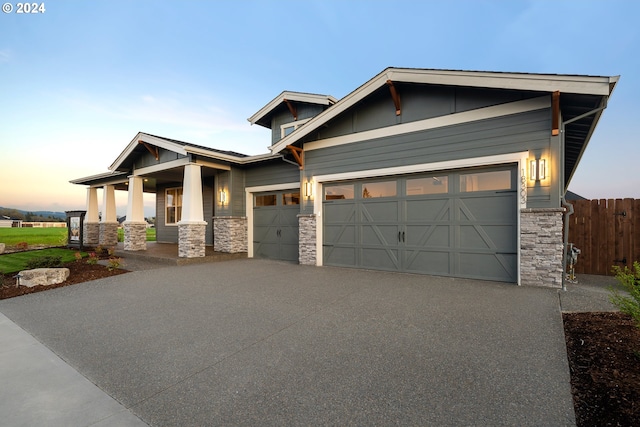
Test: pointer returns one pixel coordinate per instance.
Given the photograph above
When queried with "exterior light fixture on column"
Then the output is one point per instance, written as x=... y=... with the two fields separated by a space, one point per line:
x=223 y=197
x=308 y=189
x=537 y=169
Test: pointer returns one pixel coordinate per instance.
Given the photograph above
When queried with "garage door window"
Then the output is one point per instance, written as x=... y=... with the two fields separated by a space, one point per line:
x=430 y=185
x=339 y=192
x=379 y=189
x=266 y=200
x=291 y=199
x=485 y=181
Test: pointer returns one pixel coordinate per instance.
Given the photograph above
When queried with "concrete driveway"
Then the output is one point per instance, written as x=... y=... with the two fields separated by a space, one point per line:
x=258 y=342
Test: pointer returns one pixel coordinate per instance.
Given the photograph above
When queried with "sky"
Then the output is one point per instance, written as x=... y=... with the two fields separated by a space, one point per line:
x=80 y=79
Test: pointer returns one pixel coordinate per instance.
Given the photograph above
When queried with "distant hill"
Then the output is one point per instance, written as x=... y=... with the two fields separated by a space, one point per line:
x=33 y=215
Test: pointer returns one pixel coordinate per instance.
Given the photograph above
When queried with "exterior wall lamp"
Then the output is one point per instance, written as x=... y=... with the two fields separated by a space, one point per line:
x=223 y=197
x=537 y=169
x=308 y=189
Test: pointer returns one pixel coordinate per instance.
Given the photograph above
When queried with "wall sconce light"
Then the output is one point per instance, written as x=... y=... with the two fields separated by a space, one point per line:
x=537 y=169
x=223 y=197
x=308 y=189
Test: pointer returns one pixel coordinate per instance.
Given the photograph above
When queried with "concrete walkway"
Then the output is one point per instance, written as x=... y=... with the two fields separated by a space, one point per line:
x=249 y=342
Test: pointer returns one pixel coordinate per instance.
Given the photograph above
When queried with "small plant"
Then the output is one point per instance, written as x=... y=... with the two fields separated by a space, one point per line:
x=78 y=256
x=111 y=251
x=22 y=246
x=114 y=263
x=629 y=280
x=50 y=261
x=92 y=259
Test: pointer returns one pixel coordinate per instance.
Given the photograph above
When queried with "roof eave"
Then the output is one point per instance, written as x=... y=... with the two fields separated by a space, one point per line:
x=291 y=96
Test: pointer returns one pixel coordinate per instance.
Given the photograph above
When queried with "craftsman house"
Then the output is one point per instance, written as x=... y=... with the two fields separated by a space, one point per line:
x=454 y=173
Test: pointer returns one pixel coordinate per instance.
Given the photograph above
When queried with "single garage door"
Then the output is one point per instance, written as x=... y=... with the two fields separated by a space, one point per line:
x=460 y=223
x=275 y=225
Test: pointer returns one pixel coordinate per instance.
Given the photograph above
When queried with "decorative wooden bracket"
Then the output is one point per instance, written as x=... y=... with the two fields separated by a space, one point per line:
x=153 y=150
x=395 y=97
x=292 y=109
x=555 y=119
x=298 y=154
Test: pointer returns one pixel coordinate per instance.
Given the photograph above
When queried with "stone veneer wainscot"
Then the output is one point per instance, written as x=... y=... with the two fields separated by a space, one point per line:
x=541 y=247
x=230 y=234
x=307 y=239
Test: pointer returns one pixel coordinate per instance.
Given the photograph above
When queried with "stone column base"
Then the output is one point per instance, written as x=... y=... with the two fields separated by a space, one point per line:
x=230 y=234
x=108 y=234
x=135 y=236
x=541 y=247
x=307 y=239
x=191 y=239
x=91 y=234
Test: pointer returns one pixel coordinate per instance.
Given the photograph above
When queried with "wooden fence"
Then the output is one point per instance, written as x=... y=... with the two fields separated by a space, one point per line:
x=604 y=232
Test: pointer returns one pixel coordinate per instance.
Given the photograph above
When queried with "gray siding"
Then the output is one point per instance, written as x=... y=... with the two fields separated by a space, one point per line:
x=233 y=181
x=147 y=159
x=304 y=111
x=277 y=172
x=417 y=103
x=169 y=233
x=514 y=133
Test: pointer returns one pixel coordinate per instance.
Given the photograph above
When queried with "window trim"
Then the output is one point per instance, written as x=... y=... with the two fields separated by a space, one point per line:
x=166 y=206
x=295 y=126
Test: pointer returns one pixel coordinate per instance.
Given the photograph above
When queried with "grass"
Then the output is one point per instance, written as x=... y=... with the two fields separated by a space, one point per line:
x=34 y=236
x=151 y=235
x=12 y=263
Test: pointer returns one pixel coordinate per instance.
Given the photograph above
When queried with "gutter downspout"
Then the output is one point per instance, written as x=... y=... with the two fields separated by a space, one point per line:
x=564 y=202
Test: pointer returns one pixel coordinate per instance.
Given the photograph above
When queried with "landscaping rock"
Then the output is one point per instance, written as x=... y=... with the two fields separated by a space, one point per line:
x=43 y=276
x=2 y=248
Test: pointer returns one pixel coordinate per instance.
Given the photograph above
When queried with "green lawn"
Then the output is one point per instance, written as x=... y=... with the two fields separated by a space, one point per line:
x=12 y=263
x=151 y=235
x=34 y=236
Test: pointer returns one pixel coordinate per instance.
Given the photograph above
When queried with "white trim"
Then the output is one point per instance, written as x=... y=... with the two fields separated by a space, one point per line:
x=213 y=165
x=436 y=122
x=309 y=98
x=161 y=167
x=295 y=125
x=519 y=157
x=172 y=224
x=517 y=81
x=249 y=191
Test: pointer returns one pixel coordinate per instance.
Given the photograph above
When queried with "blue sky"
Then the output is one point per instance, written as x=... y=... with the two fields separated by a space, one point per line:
x=78 y=81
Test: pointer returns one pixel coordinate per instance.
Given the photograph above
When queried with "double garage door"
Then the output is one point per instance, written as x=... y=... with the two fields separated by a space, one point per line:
x=459 y=223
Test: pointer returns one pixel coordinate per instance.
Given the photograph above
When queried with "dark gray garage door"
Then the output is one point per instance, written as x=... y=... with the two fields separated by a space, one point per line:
x=275 y=225
x=460 y=223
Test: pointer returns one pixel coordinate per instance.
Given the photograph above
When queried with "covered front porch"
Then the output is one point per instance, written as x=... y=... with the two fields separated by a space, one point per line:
x=168 y=254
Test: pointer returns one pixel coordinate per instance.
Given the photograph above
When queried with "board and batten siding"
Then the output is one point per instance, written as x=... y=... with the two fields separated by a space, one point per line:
x=501 y=135
x=169 y=233
x=305 y=111
x=417 y=103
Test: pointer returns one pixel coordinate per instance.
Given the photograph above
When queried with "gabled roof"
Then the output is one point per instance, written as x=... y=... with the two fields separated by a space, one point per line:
x=579 y=94
x=262 y=117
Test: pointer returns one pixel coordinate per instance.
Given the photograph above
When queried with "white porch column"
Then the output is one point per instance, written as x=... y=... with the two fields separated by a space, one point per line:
x=91 y=232
x=192 y=227
x=135 y=227
x=109 y=223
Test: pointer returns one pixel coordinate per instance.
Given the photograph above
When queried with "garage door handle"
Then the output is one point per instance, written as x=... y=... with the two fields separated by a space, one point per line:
x=399 y=238
x=403 y=236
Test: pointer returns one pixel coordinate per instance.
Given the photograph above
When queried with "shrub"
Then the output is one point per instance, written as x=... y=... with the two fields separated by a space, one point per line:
x=50 y=261
x=114 y=263
x=629 y=280
x=92 y=259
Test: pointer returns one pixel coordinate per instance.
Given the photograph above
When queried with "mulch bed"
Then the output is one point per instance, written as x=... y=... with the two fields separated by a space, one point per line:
x=79 y=271
x=604 y=359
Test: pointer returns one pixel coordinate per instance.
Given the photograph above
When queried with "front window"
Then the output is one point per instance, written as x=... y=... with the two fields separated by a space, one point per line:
x=173 y=205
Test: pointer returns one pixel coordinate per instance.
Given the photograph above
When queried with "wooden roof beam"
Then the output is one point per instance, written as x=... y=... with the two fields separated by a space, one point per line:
x=555 y=119
x=395 y=97
x=153 y=150
x=298 y=154
x=292 y=109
